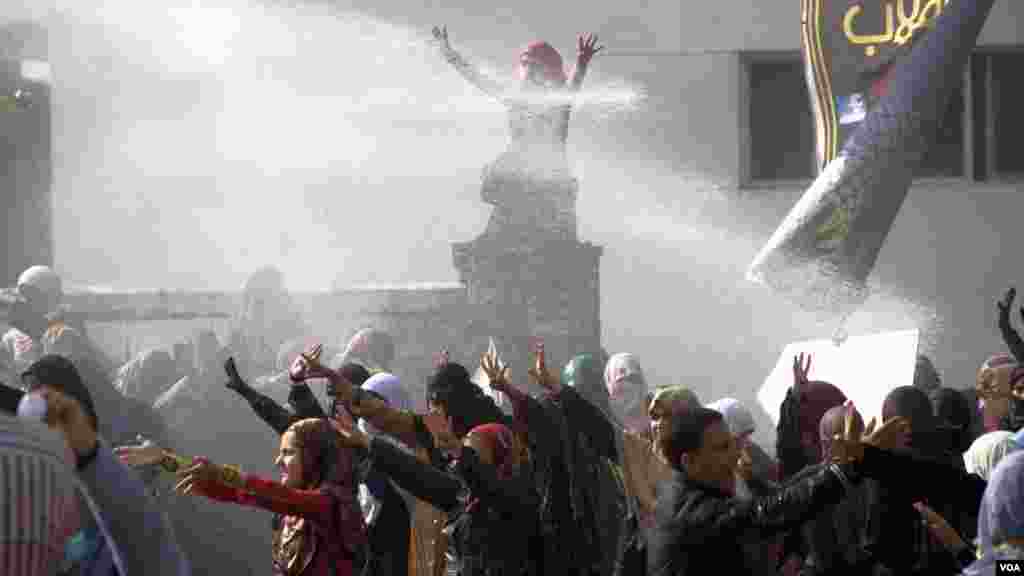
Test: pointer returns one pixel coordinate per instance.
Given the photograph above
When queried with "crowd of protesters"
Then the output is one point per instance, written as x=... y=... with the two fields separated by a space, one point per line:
x=141 y=469
x=165 y=466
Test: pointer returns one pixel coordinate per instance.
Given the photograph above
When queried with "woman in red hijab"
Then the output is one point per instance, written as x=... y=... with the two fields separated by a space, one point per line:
x=319 y=529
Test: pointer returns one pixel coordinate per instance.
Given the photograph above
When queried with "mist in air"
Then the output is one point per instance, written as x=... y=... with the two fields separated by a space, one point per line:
x=197 y=143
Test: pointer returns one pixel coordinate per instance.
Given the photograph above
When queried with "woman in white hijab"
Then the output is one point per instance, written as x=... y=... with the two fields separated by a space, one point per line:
x=761 y=469
x=985 y=452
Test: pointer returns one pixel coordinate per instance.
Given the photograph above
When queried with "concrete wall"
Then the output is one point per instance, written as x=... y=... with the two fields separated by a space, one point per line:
x=421 y=319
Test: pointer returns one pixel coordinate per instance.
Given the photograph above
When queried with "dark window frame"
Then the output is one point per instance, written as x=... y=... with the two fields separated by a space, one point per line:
x=967 y=128
x=747 y=61
x=988 y=124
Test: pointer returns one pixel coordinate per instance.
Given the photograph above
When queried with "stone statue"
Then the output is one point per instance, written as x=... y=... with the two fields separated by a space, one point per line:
x=530 y=184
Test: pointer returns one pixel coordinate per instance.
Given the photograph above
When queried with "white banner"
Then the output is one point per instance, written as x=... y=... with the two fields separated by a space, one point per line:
x=865 y=368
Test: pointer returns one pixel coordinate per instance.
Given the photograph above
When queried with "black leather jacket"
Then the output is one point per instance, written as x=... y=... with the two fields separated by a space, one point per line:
x=698 y=527
x=495 y=537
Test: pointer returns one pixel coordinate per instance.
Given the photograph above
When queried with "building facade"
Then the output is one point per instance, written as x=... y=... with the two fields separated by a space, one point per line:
x=726 y=98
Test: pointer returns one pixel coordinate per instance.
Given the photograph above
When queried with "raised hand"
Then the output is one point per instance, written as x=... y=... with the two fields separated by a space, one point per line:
x=497 y=373
x=441 y=359
x=307 y=366
x=441 y=37
x=586 y=48
x=801 y=370
x=235 y=381
x=849 y=446
x=1005 y=306
x=893 y=434
x=540 y=373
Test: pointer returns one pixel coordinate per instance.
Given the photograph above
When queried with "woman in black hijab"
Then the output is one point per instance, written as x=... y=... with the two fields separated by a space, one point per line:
x=953 y=414
x=896 y=536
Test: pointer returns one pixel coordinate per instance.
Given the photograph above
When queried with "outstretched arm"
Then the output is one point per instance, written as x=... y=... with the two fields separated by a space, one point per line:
x=468 y=71
x=586 y=48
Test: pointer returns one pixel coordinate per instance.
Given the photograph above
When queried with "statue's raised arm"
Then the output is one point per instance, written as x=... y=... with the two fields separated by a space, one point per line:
x=586 y=48
x=468 y=71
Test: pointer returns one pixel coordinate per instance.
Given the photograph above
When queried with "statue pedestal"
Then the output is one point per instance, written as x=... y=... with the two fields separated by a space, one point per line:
x=528 y=276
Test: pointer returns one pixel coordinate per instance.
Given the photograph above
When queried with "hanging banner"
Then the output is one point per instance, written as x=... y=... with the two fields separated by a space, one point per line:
x=883 y=72
x=849 y=48
x=865 y=368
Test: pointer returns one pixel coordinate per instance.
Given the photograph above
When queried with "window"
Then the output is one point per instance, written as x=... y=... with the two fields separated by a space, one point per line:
x=781 y=126
x=945 y=156
x=978 y=136
x=1006 y=85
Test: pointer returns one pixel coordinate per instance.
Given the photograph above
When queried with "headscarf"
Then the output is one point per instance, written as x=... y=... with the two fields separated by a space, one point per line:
x=373 y=348
x=627 y=387
x=545 y=55
x=1018 y=440
x=60 y=373
x=799 y=419
x=817 y=398
x=986 y=452
x=739 y=420
x=501 y=441
x=583 y=374
x=465 y=402
x=148 y=376
x=1001 y=516
x=953 y=412
x=993 y=362
x=926 y=377
x=391 y=389
x=46 y=282
x=913 y=404
x=834 y=422
x=327 y=467
x=39 y=511
x=673 y=399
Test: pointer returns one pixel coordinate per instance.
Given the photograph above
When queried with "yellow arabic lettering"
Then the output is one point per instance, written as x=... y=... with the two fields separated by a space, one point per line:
x=860 y=40
x=918 y=18
x=909 y=23
x=921 y=14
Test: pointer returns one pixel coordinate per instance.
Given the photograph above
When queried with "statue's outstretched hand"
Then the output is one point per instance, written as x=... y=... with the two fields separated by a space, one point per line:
x=441 y=37
x=587 y=47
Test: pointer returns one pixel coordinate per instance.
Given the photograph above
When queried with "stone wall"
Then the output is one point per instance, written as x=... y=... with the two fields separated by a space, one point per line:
x=421 y=318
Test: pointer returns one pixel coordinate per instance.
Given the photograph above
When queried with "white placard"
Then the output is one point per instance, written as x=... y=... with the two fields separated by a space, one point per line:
x=865 y=368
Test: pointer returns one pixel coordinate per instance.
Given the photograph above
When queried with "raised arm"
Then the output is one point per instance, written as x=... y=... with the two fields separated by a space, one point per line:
x=704 y=519
x=396 y=423
x=425 y=482
x=1010 y=336
x=586 y=48
x=276 y=416
x=468 y=71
